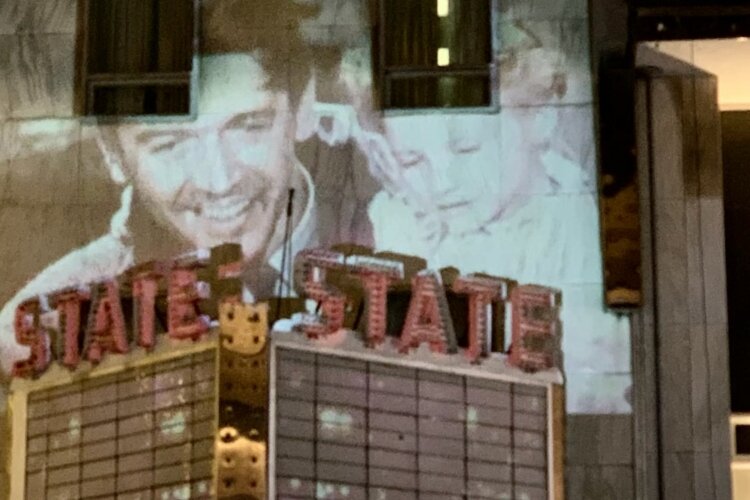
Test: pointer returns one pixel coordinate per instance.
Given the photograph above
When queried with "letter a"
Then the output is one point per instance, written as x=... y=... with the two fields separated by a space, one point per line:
x=105 y=331
x=428 y=318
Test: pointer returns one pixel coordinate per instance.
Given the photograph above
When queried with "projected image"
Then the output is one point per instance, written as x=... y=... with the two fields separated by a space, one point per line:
x=470 y=197
x=226 y=176
x=509 y=192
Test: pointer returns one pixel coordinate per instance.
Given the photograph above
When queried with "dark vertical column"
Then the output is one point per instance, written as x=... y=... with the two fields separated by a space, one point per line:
x=643 y=337
x=685 y=308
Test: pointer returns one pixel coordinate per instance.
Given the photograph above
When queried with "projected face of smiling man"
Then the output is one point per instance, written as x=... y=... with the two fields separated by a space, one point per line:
x=225 y=176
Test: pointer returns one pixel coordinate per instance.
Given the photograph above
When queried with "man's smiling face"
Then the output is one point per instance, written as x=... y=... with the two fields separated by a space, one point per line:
x=224 y=176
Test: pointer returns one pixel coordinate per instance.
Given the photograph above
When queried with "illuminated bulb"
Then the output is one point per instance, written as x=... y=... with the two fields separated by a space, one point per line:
x=443 y=56
x=443 y=8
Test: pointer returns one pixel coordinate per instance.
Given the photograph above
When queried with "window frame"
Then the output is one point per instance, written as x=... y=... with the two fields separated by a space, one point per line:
x=383 y=79
x=85 y=83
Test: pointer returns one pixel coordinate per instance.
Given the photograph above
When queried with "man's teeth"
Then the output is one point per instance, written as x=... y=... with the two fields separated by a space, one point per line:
x=225 y=209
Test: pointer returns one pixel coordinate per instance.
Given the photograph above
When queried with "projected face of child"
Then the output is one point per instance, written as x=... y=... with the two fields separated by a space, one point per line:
x=224 y=176
x=453 y=165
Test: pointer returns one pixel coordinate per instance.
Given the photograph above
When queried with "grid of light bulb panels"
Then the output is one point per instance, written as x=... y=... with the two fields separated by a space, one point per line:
x=143 y=433
x=344 y=428
x=355 y=429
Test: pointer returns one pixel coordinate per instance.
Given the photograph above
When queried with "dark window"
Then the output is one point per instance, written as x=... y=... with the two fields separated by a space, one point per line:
x=435 y=53
x=135 y=57
x=742 y=439
x=735 y=136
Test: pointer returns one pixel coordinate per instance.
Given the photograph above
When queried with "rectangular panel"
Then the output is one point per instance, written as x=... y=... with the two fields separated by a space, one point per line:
x=140 y=429
x=399 y=432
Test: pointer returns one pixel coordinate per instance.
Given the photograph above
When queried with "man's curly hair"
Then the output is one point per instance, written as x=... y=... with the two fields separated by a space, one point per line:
x=272 y=32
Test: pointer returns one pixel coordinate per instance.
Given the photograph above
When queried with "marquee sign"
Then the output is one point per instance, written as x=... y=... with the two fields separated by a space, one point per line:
x=115 y=315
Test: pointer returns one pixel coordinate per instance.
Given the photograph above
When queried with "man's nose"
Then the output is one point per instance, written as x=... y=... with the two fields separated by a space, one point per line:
x=214 y=174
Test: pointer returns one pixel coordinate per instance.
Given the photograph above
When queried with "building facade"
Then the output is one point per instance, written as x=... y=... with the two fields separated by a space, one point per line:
x=289 y=99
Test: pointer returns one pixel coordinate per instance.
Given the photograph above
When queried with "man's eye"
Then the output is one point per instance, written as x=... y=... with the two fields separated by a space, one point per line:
x=465 y=147
x=163 y=144
x=409 y=159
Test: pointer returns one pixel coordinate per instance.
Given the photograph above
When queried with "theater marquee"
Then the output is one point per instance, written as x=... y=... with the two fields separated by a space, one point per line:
x=163 y=383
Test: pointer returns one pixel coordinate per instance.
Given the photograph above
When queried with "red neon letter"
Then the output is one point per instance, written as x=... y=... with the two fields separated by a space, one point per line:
x=332 y=304
x=145 y=288
x=482 y=292
x=536 y=311
x=30 y=333
x=376 y=275
x=184 y=295
x=315 y=263
x=105 y=331
x=227 y=266
x=68 y=304
x=428 y=318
